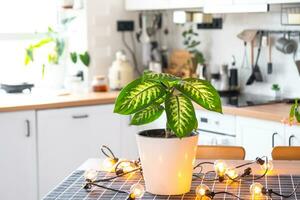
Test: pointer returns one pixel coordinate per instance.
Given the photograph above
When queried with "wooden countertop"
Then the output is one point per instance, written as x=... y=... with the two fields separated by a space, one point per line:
x=19 y=102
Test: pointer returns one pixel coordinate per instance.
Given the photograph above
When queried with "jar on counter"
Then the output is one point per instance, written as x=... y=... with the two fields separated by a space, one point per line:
x=99 y=84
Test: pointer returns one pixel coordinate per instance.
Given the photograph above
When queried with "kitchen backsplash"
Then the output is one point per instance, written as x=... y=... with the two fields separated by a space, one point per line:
x=219 y=45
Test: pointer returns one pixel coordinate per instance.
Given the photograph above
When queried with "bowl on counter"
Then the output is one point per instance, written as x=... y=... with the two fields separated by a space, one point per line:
x=16 y=88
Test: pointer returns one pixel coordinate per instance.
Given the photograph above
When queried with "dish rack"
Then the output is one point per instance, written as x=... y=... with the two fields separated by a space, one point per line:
x=290 y=15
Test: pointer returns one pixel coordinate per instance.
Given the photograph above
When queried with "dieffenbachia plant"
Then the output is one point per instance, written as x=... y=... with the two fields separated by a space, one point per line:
x=147 y=97
x=295 y=112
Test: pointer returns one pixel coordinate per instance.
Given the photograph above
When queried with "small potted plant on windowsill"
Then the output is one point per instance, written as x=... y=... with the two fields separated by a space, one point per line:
x=167 y=155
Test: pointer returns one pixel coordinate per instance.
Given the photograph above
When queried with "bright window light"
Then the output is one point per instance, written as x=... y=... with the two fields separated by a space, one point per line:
x=27 y=16
x=21 y=24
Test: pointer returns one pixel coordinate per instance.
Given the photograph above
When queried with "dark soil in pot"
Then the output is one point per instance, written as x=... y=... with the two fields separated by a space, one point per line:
x=159 y=133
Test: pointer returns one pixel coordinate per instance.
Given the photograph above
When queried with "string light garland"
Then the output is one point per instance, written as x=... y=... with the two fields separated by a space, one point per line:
x=224 y=173
x=121 y=168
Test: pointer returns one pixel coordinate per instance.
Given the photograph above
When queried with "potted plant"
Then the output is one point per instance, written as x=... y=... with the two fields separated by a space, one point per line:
x=294 y=113
x=191 y=44
x=276 y=89
x=167 y=155
x=53 y=72
x=85 y=60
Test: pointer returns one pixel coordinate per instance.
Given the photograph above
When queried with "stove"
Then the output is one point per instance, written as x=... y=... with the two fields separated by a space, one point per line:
x=244 y=100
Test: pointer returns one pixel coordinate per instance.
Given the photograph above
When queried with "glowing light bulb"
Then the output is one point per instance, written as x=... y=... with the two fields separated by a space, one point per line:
x=267 y=166
x=108 y=164
x=91 y=175
x=136 y=191
x=126 y=166
x=220 y=167
x=256 y=189
x=201 y=190
x=232 y=174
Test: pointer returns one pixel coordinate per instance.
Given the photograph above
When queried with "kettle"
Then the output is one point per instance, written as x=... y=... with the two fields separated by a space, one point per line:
x=120 y=73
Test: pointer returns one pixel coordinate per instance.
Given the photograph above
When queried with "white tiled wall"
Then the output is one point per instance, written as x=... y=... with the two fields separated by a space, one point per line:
x=103 y=39
x=219 y=46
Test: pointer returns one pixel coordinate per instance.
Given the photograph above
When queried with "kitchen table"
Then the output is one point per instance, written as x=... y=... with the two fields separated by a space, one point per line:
x=283 y=178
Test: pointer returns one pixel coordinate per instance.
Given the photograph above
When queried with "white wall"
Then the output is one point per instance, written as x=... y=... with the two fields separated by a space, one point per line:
x=219 y=46
x=103 y=38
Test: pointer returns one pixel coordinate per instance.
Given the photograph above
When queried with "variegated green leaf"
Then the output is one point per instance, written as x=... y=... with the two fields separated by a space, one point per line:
x=202 y=92
x=137 y=95
x=167 y=79
x=180 y=115
x=147 y=115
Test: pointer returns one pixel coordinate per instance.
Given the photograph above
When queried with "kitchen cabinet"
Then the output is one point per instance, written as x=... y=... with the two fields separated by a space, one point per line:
x=69 y=136
x=258 y=137
x=282 y=1
x=18 y=165
x=292 y=135
x=162 y=4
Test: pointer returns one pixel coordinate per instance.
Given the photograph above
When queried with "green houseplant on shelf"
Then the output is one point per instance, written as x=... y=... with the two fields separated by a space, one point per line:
x=167 y=155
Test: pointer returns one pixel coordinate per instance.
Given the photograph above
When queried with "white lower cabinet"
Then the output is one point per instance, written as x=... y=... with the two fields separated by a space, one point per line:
x=292 y=134
x=18 y=165
x=68 y=137
x=258 y=137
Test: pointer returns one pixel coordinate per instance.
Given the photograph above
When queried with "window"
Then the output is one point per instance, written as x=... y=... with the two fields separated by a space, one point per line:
x=22 y=22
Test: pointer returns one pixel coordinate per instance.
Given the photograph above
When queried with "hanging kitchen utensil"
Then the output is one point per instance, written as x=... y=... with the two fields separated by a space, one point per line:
x=270 y=65
x=286 y=45
x=256 y=70
x=247 y=35
x=297 y=57
x=144 y=37
x=245 y=63
x=252 y=77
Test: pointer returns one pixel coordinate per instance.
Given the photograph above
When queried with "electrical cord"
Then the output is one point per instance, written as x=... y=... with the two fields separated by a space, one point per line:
x=212 y=194
x=116 y=176
x=89 y=184
x=108 y=154
x=270 y=192
x=132 y=53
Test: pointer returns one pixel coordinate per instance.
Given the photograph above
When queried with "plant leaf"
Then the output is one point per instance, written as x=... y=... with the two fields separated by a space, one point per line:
x=167 y=79
x=202 y=92
x=43 y=42
x=138 y=95
x=73 y=56
x=180 y=115
x=147 y=115
x=85 y=58
x=28 y=55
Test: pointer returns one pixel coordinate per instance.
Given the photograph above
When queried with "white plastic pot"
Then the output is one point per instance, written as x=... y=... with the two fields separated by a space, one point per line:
x=167 y=163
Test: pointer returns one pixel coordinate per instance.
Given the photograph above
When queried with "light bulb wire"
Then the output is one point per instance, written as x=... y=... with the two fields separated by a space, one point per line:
x=108 y=152
x=270 y=192
x=108 y=188
x=116 y=176
x=228 y=193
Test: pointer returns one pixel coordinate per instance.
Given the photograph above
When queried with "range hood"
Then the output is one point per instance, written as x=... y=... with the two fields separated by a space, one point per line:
x=235 y=8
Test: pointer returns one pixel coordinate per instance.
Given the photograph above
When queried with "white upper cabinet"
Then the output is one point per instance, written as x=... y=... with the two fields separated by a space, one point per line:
x=162 y=4
x=282 y=1
x=18 y=164
x=206 y=4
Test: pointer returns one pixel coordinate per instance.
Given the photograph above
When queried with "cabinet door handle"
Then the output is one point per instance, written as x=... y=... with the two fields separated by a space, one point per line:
x=273 y=139
x=80 y=116
x=290 y=139
x=27 y=128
